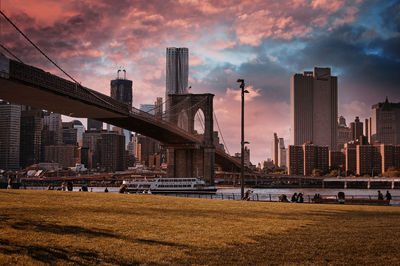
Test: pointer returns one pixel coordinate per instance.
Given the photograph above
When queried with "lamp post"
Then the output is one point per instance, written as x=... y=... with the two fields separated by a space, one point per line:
x=241 y=81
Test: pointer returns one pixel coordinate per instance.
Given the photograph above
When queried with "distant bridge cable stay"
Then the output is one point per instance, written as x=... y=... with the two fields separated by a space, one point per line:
x=220 y=132
x=10 y=53
x=37 y=48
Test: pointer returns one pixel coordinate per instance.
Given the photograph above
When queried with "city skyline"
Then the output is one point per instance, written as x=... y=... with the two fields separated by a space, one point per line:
x=356 y=39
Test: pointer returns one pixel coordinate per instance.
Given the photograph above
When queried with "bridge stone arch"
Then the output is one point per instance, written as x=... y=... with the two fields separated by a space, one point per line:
x=192 y=160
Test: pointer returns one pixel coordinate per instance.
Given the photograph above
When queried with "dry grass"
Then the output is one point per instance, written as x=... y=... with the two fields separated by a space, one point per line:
x=53 y=227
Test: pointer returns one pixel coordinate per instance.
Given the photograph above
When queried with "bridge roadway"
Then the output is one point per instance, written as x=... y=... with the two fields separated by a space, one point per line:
x=31 y=86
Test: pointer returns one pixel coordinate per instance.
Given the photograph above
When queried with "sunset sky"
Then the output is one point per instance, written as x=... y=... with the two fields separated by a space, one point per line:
x=262 y=41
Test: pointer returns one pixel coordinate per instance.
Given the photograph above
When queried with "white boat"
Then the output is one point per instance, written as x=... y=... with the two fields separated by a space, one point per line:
x=169 y=185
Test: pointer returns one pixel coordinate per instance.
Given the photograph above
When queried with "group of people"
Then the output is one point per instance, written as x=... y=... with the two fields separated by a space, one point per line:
x=299 y=198
x=388 y=196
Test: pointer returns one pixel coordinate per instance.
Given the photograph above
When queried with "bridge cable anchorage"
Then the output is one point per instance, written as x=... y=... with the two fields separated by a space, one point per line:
x=11 y=53
x=34 y=45
x=220 y=131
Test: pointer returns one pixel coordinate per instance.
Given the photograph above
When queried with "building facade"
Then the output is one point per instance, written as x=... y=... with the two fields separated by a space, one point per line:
x=94 y=124
x=54 y=123
x=111 y=151
x=344 y=133
x=30 y=136
x=314 y=108
x=10 y=116
x=357 y=129
x=177 y=70
x=385 y=123
x=274 y=149
x=65 y=155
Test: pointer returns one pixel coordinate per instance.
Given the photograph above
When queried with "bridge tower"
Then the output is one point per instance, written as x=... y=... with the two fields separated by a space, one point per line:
x=192 y=160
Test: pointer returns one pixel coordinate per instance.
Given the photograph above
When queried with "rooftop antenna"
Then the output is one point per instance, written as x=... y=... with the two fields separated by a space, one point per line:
x=124 y=74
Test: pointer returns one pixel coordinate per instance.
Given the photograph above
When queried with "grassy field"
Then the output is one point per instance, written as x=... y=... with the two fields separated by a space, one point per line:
x=54 y=227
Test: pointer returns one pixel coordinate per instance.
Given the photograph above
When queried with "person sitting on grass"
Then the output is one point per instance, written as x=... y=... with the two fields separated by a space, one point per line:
x=300 y=198
x=294 y=197
x=283 y=198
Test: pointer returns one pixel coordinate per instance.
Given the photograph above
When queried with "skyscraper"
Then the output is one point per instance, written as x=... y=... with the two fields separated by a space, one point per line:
x=30 y=136
x=274 y=149
x=10 y=116
x=121 y=90
x=344 y=133
x=54 y=123
x=385 y=123
x=177 y=68
x=313 y=98
x=357 y=129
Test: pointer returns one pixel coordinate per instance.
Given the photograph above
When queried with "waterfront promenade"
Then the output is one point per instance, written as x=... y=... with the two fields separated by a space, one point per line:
x=57 y=227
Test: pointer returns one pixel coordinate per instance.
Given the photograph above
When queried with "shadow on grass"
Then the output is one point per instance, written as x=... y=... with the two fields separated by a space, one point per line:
x=62 y=229
x=47 y=254
x=163 y=243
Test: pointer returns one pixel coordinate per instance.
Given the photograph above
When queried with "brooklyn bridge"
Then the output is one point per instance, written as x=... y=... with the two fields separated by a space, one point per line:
x=189 y=154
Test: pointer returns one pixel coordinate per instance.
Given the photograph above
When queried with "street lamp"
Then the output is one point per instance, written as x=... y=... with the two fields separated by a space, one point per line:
x=241 y=81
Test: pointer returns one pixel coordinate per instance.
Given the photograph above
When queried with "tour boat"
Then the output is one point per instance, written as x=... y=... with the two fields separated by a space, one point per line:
x=169 y=185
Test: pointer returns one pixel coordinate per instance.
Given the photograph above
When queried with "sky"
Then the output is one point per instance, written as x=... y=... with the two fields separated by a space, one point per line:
x=264 y=42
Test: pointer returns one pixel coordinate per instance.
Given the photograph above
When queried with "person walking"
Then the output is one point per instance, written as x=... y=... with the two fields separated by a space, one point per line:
x=380 y=195
x=388 y=196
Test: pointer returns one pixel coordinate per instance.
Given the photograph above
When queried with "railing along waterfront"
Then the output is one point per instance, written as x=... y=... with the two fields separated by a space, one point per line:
x=269 y=197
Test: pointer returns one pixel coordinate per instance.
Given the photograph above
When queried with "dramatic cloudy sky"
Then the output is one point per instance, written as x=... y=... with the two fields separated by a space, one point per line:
x=262 y=41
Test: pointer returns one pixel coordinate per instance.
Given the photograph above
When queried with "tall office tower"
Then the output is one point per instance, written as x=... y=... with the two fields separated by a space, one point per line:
x=111 y=149
x=121 y=90
x=94 y=124
x=385 y=123
x=281 y=153
x=357 y=129
x=54 y=123
x=313 y=98
x=344 y=133
x=90 y=138
x=177 y=68
x=274 y=149
x=69 y=133
x=30 y=136
x=80 y=129
x=158 y=109
x=10 y=116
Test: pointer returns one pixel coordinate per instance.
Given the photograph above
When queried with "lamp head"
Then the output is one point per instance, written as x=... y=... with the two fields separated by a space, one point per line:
x=240 y=80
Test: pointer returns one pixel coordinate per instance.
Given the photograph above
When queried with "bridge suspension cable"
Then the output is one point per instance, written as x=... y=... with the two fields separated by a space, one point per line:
x=10 y=53
x=220 y=132
x=37 y=48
